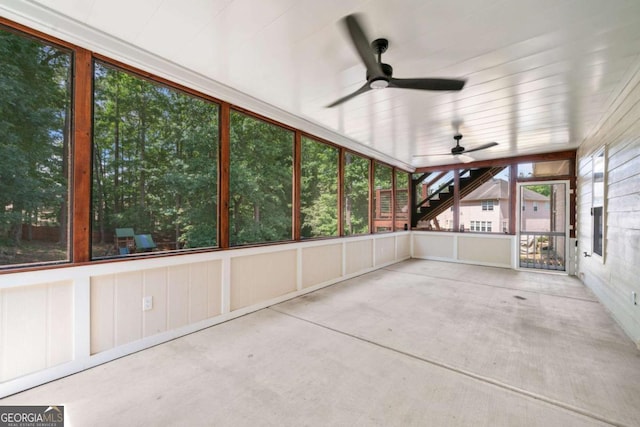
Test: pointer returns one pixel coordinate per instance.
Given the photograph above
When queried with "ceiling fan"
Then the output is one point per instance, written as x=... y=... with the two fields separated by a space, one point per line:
x=380 y=75
x=459 y=151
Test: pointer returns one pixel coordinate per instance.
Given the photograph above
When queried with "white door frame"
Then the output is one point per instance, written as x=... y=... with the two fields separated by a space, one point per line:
x=567 y=268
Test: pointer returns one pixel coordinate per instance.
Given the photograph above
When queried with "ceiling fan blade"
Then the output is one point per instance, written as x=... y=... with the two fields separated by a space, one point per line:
x=482 y=147
x=427 y=84
x=431 y=155
x=464 y=158
x=360 y=91
x=362 y=45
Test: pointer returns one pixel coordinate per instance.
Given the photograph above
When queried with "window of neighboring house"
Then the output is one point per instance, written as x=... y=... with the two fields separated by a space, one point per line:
x=487 y=205
x=489 y=200
x=472 y=226
x=505 y=226
x=382 y=198
x=356 y=194
x=35 y=119
x=535 y=206
x=598 y=202
x=483 y=226
x=155 y=166
x=260 y=181
x=319 y=189
x=489 y=228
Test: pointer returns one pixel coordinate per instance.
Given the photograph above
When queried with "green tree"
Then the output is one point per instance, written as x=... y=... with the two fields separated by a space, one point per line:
x=543 y=189
x=356 y=194
x=319 y=189
x=260 y=187
x=155 y=161
x=34 y=133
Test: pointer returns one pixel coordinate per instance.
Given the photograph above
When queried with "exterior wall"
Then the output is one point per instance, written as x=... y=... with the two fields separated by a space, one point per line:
x=472 y=211
x=59 y=321
x=535 y=220
x=614 y=276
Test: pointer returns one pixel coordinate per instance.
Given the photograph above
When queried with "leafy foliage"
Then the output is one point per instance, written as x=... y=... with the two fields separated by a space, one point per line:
x=155 y=161
x=543 y=189
x=356 y=194
x=319 y=189
x=34 y=135
x=260 y=182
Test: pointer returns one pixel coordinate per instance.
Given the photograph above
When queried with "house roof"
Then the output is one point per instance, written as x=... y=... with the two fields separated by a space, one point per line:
x=497 y=189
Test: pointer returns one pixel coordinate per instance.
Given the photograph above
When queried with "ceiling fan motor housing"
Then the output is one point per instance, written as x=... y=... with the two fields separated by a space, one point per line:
x=457 y=149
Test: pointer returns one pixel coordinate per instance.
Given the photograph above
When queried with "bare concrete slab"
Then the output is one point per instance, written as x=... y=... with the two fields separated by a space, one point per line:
x=396 y=347
x=557 y=342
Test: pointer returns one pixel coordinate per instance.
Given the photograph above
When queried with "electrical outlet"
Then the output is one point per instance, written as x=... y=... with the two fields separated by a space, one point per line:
x=147 y=303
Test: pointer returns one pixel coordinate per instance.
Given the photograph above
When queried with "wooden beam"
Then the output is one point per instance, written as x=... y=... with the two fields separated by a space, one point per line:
x=371 y=186
x=341 y=192
x=81 y=158
x=297 y=183
x=531 y=158
x=223 y=175
x=456 y=200
x=513 y=199
x=573 y=190
x=393 y=199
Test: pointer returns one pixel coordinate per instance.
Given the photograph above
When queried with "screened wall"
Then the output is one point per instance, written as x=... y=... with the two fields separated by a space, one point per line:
x=105 y=161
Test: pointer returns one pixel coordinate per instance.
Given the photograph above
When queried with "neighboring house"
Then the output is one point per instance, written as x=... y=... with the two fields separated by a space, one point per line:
x=486 y=209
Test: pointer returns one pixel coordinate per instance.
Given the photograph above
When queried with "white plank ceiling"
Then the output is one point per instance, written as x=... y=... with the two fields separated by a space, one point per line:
x=540 y=73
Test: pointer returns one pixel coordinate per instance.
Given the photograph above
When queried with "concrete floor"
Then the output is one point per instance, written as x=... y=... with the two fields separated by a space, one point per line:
x=419 y=343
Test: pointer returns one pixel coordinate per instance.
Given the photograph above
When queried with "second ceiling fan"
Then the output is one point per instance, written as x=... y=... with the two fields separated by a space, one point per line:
x=380 y=75
x=459 y=151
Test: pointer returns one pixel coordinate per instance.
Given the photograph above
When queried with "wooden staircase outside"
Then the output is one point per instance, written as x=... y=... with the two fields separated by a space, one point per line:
x=442 y=199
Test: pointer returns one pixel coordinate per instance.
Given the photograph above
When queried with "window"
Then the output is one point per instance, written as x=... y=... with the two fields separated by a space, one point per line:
x=35 y=117
x=544 y=169
x=535 y=206
x=483 y=226
x=260 y=182
x=402 y=200
x=154 y=168
x=356 y=194
x=597 y=210
x=489 y=200
x=487 y=205
x=489 y=228
x=382 y=198
x=436 y=185
x=472 y=226
x=319 y=189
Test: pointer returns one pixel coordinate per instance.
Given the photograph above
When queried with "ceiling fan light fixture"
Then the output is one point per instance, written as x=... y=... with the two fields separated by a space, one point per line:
x=379 y=83
x=380 y=75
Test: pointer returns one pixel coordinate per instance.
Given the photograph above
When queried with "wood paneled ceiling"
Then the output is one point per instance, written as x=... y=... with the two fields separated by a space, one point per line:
x=540 y=73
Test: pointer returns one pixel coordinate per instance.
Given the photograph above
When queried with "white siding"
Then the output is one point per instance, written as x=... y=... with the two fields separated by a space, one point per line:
x=615 y=275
